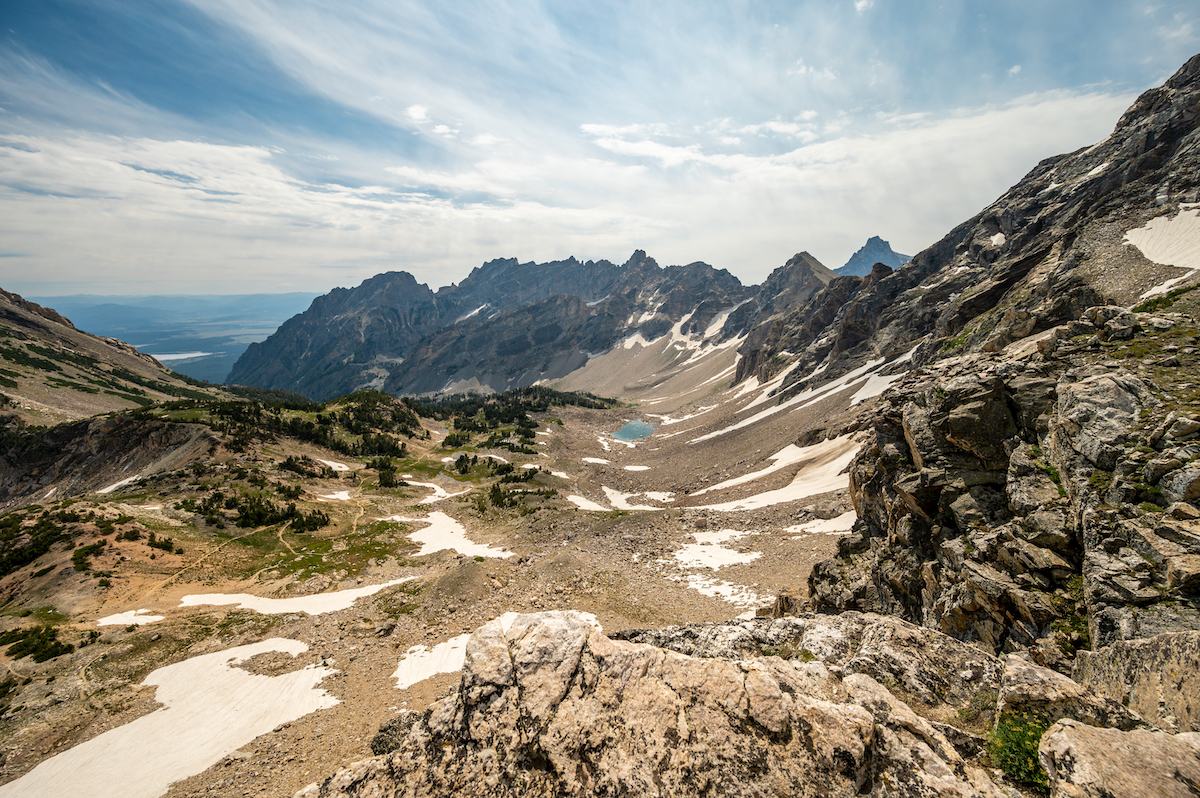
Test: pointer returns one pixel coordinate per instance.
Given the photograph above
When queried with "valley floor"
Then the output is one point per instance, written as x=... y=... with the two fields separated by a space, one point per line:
x=642 y=533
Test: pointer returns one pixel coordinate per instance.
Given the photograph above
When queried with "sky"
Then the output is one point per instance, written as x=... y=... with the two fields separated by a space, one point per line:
x=239 y=146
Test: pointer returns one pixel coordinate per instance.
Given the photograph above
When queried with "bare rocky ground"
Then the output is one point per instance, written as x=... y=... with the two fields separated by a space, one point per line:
x=617 y=565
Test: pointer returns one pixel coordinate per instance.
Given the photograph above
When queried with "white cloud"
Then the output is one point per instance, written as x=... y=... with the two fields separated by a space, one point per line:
x=795 y=130
x=800 y=69
x=417 y=113
x=1015 y=70
x=172 y=210
x=643 y=130
x=863 y=5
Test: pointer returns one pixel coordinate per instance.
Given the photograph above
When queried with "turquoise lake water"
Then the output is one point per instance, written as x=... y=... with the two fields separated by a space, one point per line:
x=634 y=431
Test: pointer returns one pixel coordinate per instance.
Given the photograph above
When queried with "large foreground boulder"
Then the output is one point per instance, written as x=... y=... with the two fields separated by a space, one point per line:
x=553 y=707
x=1086 y=762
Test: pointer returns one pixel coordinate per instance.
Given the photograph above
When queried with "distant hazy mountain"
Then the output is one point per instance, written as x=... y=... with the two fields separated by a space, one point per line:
x=876 y=250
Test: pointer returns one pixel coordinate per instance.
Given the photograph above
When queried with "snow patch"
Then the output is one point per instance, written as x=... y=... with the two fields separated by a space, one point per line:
x=439 y=493
x=998 y=240
x=637 y=468
x=339 y=496
x=819 y=475
x=120 y=484
x=317 y=604
x=211 y=709
x=595 y=460
x=737 y=595
x=133 y=617
x=443 y=532
x=474 y=312
x=587 y=504
x=707 y=551
x=336 y=466
x=841 y=524
x=1171 y=241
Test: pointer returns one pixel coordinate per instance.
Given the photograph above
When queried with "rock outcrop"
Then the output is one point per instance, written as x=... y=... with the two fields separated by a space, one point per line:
x=851 y=704
x=554 y=707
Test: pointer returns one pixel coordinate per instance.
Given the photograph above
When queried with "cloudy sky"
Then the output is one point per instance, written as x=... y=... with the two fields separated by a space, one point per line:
x=231 y=146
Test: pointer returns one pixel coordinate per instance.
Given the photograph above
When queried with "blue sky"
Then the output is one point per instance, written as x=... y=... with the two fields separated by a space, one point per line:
x=234 y=146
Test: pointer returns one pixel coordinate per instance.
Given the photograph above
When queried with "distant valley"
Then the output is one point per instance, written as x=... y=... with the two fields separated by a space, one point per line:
x=199 y=336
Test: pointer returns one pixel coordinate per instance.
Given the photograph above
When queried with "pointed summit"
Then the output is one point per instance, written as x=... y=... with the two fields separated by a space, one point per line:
x=876 y=250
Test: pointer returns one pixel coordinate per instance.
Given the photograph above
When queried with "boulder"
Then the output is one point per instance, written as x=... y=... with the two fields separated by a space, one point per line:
x=1085 y=762
x=1040 y=692
x=1098 y=414
x=1157 y=677
x=1182 y=484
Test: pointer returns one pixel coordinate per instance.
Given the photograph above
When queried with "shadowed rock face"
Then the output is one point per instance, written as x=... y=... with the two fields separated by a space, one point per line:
x=88 y=456
x=1020 y=486
x=505 y=326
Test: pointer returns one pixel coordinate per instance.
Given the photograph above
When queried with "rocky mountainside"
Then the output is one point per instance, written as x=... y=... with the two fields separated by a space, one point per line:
x=1028 y=485
x=876 y=250
x=51 y=372
x=510 y=324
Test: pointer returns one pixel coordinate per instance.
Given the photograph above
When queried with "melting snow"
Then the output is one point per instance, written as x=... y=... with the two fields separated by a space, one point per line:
x=439 y=492
x=339 y=496
x=595 y=460
x=1171 y=242
x=587 y=504
x=667 y=421
x=443 y=532
x=707 y=551
x=211 y=710
x=820 y=475
x=474 y=312
x=317 y=604
x=336 y=466
x=813 y=395
x=620 y=501
x=782 y=459
x=637 y=468
x=135 y=617
x=842 y=523
x=120 y=484
x=737 y=595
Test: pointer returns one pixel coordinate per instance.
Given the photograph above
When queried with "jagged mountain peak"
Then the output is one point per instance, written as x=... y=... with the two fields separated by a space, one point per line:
x=876 y=250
